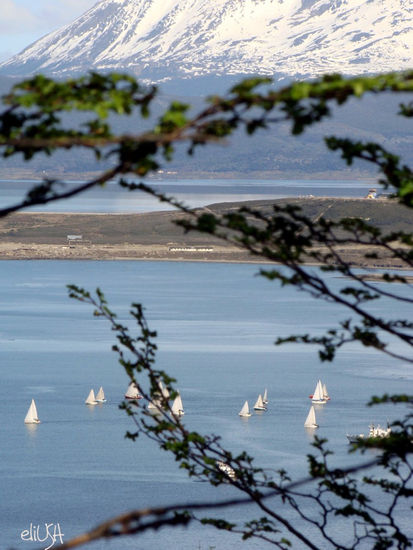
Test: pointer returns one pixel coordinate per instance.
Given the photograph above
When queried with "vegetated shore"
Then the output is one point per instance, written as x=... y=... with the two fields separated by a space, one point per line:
x=155 y=236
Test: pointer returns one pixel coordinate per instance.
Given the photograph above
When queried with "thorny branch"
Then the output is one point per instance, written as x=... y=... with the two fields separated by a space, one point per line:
x=200 y=454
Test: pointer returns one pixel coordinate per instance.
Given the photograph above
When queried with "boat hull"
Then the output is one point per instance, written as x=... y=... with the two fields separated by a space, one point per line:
x=355 y=438
x=375 y=432
x=326 y=398
x=133 y=398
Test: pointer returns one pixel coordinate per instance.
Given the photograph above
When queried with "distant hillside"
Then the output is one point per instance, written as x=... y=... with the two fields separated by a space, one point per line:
x=386 y=214
x=271 y=153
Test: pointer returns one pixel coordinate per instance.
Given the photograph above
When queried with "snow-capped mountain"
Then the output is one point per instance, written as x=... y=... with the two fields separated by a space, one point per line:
x=160 y=39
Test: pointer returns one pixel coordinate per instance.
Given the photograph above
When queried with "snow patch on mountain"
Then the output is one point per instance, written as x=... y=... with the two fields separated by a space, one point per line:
x=216 y=37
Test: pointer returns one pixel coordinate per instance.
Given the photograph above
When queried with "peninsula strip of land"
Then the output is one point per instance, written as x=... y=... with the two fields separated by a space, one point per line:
x=155 y=235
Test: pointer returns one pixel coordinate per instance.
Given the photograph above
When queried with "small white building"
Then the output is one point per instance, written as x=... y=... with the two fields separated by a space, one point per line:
x=72 y=240
x=191 y=249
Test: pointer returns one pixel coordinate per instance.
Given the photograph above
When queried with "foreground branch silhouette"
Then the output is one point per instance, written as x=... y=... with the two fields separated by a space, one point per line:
x=201 y=455
x=133 y=522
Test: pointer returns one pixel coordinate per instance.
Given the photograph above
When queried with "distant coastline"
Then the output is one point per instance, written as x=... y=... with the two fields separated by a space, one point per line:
x=155 y=236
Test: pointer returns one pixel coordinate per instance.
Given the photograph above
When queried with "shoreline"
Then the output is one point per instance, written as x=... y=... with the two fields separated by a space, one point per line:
x=160 y=253
x=155 y=236
x=229 y=256
x=123 y=252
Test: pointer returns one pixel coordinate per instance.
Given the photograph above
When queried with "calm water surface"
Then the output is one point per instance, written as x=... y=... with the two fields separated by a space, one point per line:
x=216 y=325
x=194 y=193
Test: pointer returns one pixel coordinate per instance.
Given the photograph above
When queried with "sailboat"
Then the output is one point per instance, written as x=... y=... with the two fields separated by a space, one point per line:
x=90 y=399
x=154 y=407
x=164 y=391
x=374 y=431
x=259 y=404
x=245 y=411
x=32 y=417
x=132 y=392
x=100 y=396
x=325 y=393
x=318 y=395
x=310 y=421
x=177 y=406
x=226 y=469
x=265 y=397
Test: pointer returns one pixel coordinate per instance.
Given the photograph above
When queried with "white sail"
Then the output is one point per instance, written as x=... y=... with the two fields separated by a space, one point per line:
x=318 y=392
x=265 y=397
x=32 y=416
x=325 y=393
x=132 y=392
x=259 y=405
x=90 y=399
x=164 y=391
x=34 y=410
x=177 y=406
x=100 y=396
x=245 y=411
x=318 y=395
x=310 y=421
x=155 y=405
x=227 y=470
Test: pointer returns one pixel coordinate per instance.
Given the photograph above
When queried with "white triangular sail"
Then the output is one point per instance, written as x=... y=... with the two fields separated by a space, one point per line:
x=155 y=406
x=90 y=399
x=325 y=393
x=34 y=410
x=32 y=416
x=310 y=421
x=100 y=396
x=318 y=395
x=318 y=392
x=259 y=405
x=177 y=406
x=164 y=391
x=265 y=397
x=245 y=411
x=132 y=392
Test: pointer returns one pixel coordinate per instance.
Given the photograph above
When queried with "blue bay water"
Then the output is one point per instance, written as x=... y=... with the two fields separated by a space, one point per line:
x=216 y=326
x=194 y=193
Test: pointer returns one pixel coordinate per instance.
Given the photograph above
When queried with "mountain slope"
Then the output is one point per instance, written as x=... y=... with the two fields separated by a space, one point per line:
x=160 y=39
